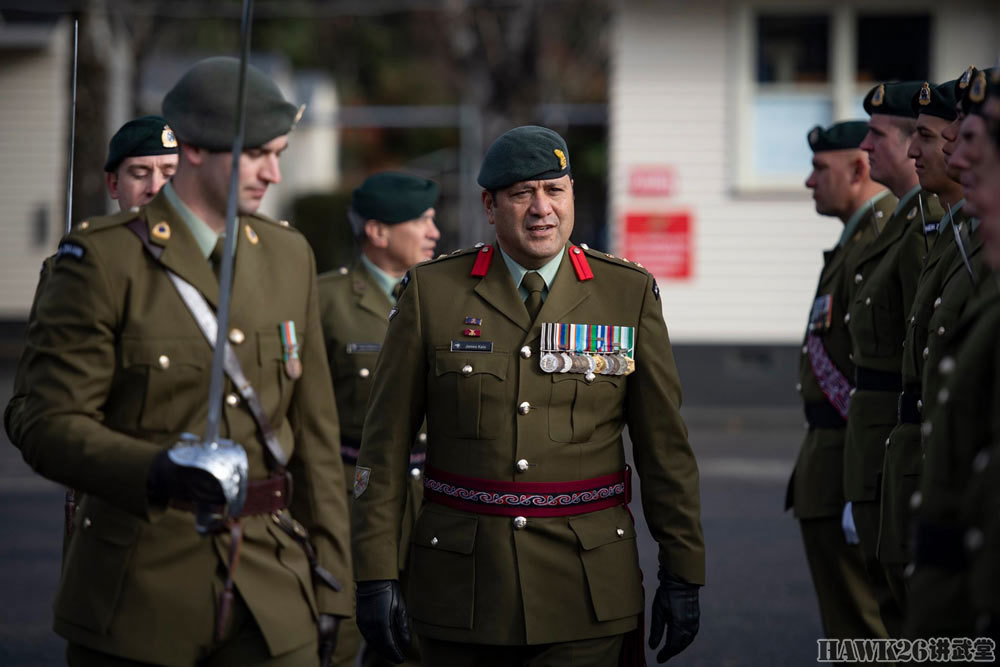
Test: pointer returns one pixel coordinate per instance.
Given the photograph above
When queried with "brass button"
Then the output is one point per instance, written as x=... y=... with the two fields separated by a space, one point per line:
x=858 y=278
x=232 y=400
x=415 y=473
x=847 y=318
x=868 y=301
x=236 y=336
x=467 y=370
x=937 y=302
x=522 y=465
x=798 y=386
x=422 y=438
x=520 y=522
x=590 y=377
x=973 y=539
x=342 y=270
x=619 y=532
x=84 y=224
x=909 y=570
x=164 y=361
x=920 y=404
x=916 y=499
x=434 y=541
x=524 y=408
x=981 y=461
x=87 y=523
x=926 y=429
x=525 y=352
x=927 y=353
x=853 y=391
x=940 y=331
x=283 y=223
x=364 y=372
x=805 y=349
x=943 y=396
x=947 y=365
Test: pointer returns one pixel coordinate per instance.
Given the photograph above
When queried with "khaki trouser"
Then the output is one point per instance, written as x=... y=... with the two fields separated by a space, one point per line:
x=867 y=515
x=600 y=652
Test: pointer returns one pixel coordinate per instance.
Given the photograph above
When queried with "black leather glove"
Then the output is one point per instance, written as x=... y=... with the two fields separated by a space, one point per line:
x=675 y=607
x=167 y=481
x=328 y=626
x=382 y=618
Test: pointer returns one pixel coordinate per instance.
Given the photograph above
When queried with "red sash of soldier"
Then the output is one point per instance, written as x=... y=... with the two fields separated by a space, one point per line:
x=835 y=386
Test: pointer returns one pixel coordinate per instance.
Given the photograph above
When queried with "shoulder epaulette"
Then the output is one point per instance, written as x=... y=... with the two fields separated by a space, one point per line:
x=106 y=221
x=335 y=274
x=451 y=255
x=260 y=217
x=612 y=259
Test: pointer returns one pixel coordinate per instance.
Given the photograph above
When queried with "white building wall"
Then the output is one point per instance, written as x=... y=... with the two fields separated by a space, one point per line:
x=674 y=100
x=34 y=110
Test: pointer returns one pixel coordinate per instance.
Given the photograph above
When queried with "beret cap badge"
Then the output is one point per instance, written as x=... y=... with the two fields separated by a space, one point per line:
x=167 y=137
x=966 y=78
x=925 y=94
x=978 y=91
x=879 y=97
x=562 y=157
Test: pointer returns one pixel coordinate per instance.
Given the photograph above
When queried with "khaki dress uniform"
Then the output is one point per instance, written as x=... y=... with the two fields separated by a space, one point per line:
x=494 y=415
x=816 y=488
x=939 y=594
x=903 y=463
x=115 y=369
x=886 y=274
x=354 y=311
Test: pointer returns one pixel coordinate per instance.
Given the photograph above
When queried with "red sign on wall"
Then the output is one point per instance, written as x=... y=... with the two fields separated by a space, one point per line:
x=651 y=181
x=661 y=242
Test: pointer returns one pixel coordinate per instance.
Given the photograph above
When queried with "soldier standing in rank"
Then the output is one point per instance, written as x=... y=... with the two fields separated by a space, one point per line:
x=939 y=587
x=392 y=214
x=886 y=278
x=116 y=369
x=529 y=357
x=903 y=463
x=842 y=187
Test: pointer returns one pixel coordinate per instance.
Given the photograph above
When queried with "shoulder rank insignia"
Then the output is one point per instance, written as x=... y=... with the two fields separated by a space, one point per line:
x=580 y=264
x=483 y=260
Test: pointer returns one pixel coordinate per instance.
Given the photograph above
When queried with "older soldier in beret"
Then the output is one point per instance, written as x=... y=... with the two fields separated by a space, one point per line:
x=142 y=157
x=529 y=357
x=885 y=276
x=392 y=215
x=117 y=369
x=842 y=187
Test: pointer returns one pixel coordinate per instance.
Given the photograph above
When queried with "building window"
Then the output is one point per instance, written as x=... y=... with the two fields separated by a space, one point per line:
x=800 y=69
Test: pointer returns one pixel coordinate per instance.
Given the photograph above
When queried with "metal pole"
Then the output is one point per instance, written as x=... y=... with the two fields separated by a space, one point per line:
x=72 y=132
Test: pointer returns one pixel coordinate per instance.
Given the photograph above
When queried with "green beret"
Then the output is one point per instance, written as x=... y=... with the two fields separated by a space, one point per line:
x=149 y=135
x=936 y=100
x=972 y=97
x=392 y=197
x=839 y=136
x=892 y=99
x=201 y=107
x=525 y=153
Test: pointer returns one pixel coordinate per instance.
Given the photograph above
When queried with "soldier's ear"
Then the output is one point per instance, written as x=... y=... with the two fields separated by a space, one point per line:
x=489 y=202
x=377 y=233
x=111 y=180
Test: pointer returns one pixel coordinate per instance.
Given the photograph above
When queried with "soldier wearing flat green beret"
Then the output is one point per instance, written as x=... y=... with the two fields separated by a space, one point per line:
x=117 y=367
x=392 y=215
x=939 y=604
x=903 y=462
x=529 y=356
x=142 y=157
x=842 y=187
x=886 y=276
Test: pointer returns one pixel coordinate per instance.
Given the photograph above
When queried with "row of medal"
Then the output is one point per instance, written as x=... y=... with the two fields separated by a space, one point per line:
x=589 y=349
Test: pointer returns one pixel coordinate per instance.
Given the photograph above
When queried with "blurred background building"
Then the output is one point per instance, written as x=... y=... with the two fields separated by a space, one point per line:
x=686 y=124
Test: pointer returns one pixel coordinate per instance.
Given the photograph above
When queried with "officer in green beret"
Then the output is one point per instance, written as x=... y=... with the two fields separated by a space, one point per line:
x=142 y=157
x=842 y=187
x=117 y=368
x=939 y=602
x=392 y=215
x=903 y=462
x=529 y=356
x=886 y=276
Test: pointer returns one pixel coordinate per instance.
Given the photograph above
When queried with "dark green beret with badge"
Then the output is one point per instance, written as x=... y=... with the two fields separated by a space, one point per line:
x=892 y=99
x=392 y=197
x=526 y=153
x=973 y=95
x=148 y=135
x=839 y=136
x=201 y=107
x=936 y=100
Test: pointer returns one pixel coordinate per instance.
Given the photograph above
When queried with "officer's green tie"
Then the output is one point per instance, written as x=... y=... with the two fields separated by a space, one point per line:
x=535 y=285
x=216 y=257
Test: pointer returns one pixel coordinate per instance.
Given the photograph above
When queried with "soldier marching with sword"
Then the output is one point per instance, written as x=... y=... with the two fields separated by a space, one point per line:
x=115 y=368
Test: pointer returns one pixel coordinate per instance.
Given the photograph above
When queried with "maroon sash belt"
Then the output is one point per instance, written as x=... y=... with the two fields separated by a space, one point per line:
x=487 y=496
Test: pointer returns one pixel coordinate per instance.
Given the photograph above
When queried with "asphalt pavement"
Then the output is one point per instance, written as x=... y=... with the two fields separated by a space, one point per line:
x=758 y=607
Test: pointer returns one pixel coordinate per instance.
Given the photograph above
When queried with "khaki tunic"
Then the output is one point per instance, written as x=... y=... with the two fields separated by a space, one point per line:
x=887 y=275
x=115 y=369
x=477 y=578
x=904 y=454
x=816 y=488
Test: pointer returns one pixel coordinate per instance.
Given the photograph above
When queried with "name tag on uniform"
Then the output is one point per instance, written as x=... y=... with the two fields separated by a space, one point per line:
x=471 y=346
x=362 y=348
x=822 y=314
